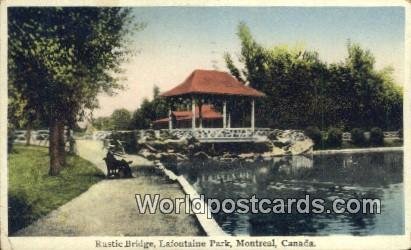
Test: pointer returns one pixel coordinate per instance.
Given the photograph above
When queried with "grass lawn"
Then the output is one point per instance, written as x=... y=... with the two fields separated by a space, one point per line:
x=33 y=193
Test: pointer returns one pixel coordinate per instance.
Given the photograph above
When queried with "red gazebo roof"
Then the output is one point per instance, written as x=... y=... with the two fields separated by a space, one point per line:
x=212 y=82
x=207 y=113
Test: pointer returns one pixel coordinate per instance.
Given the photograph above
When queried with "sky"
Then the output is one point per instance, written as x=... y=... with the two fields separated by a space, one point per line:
x=178 y=40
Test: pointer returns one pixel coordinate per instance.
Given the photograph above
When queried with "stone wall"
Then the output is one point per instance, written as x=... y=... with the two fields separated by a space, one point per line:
x=168 y=147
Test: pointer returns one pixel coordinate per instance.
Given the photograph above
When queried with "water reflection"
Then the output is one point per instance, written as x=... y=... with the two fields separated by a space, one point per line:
x=371 y=175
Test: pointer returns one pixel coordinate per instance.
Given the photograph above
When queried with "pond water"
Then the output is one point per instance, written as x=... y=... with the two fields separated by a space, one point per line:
x=370 y=175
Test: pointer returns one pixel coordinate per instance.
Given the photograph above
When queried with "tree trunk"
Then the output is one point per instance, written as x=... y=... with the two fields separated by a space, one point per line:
x=28 y=134
x=55 y=164
x=61 y=143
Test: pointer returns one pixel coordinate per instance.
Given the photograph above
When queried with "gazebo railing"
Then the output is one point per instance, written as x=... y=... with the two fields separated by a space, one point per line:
x=212 y=133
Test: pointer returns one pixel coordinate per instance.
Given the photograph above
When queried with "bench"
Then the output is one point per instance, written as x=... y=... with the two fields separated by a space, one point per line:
x=117 y=168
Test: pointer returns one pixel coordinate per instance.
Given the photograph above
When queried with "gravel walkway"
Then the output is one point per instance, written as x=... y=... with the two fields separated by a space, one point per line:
x=108 y=208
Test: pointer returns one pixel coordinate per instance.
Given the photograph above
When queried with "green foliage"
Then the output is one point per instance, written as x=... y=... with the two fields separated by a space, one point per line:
x=16 y=108
x=150 y=111
x=156 y=92
x=60 y=59
x=32 y=193
x=102 y=123
x=142 y=118
x=376 y=136
x=334 y=137
x=230 y=65
x=314 y=134
x=358 y=137
x=301 y=89
x=128 y=140
x=121 y=119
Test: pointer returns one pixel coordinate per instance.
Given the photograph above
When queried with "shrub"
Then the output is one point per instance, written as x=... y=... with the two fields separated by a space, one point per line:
x=128 y=140
x=401 y=133
x=334 y=137
x=376 y=136
x=314 y=134
x=358 y=137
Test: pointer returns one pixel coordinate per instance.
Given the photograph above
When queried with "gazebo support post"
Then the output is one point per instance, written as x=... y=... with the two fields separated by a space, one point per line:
x=200 y=116
x=252 y=114
x=170 y=120
x=229 y=120
x=225 y=114
x=193 y=112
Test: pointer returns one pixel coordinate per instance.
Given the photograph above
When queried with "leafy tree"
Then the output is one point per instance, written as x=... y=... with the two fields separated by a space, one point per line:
x=21 y=115
x=150 y=111
x=121 y=119
x=156 y=92
x=141 y=118
x=302 y=90
x=61 y=58
x=289 y=76
x=16 y=109
x=364 y=97
x=102 y=123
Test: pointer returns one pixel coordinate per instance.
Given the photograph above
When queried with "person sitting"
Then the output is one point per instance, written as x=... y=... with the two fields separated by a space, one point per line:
x=116 y=167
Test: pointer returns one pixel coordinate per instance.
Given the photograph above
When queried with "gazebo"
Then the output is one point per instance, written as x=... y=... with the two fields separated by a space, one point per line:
x=205 y=86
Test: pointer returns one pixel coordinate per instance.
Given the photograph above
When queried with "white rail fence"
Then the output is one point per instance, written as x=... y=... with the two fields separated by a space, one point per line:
x=387 y=135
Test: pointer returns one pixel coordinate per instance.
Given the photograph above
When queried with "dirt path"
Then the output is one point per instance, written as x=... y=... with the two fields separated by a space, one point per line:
x=108 y=208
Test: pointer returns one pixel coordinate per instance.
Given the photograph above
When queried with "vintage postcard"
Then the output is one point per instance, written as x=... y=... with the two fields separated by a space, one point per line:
x=205 y=124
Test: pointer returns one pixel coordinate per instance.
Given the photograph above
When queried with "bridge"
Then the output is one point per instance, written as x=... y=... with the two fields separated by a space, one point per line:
x=216 y=135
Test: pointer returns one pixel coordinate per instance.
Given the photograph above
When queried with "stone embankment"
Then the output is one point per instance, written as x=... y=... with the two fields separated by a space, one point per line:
x=169 y=148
